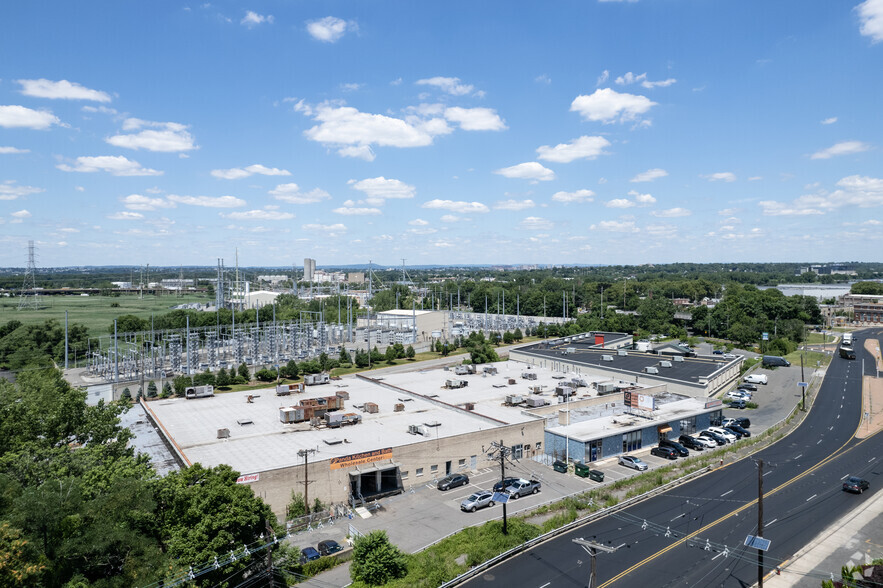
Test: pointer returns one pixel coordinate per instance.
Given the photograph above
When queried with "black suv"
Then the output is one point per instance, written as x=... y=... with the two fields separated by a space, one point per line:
x=328 y=547
x=504 y=483
x=691 y=443
x=746 y=386
x=666 y=452
x=682 y=451
x=743 y=422
x=739 y=429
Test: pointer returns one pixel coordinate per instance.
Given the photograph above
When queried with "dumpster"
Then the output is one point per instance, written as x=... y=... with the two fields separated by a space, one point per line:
x=596 y=475
x=581 y=469
x=560 y=466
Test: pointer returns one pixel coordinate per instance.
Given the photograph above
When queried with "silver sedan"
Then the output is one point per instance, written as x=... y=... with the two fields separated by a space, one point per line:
x=478 y=500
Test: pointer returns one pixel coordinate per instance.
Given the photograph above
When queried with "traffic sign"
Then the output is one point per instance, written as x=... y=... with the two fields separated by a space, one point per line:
x=757 y=542
x=802 y=384
x=766 y=336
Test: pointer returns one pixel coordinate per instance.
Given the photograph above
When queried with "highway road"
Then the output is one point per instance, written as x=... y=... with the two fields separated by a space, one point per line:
x=693 y=535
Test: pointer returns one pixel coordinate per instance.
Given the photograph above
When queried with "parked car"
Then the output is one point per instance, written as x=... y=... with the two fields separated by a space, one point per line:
x=522 y=487
x=309 y=554
x=743 y=422
x=682 y=451
x=713 y=436
x=718 y=351
x=691 y=443
x=730 y=356
x=452 y=481
x=707 y=442
x=738 y=395
x=633 y=462
x=745 y=432
x=739 y=403
x=328 y=547
x=477 y=500
x=730 y=437
x=749 y=387
x=775 y=361
x=756 y=379
x=504 y=483
x=733 y=431
x=666 y=452
x=855 y=484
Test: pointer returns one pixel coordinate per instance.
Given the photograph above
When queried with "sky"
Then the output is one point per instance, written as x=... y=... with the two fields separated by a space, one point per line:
x=571 y=132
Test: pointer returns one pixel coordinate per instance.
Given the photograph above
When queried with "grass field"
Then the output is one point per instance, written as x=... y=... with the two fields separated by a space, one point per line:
x=93 y=311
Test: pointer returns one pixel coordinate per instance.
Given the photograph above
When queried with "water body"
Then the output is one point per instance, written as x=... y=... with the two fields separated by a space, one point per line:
x=818 y=291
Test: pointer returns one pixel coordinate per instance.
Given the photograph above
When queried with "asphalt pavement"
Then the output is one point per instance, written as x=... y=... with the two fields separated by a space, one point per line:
x=694 y=535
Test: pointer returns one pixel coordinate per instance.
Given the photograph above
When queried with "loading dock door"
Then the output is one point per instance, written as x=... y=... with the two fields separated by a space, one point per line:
x=376 y=482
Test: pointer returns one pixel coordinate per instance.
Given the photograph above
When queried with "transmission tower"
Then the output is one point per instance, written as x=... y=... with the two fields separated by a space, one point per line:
x=29 y=287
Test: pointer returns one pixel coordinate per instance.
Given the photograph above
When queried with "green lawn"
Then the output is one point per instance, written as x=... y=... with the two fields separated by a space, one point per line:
x=809 y=358
x=819 y=338
x=94 y=311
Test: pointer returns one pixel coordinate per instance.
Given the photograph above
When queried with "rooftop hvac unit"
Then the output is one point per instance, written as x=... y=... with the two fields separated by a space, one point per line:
x=223 y=433
x=513 y=399
x=606 y=358
x=432 y=424
x=606 y=388
x=651 y=370
x=622 y=352
x=511 y=381
x=579 y=382
x=469 y=406
x=399 y=407
x=665 y=364
x=678 y=359
x=371 y=408
x=535 y=402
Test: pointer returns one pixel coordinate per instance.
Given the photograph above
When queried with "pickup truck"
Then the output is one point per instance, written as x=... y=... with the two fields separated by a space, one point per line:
x=522 y=487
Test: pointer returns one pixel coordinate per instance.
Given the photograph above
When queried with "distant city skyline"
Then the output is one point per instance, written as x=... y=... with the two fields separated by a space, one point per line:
x=590 y=132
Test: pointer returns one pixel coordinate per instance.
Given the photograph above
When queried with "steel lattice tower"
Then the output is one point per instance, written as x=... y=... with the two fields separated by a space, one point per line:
x=29 y=288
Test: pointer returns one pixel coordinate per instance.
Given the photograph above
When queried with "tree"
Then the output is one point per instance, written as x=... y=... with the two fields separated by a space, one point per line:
x=362 y=359
x=517 y=335
x=410 y=353
x=376 y=561
x=297 y=507
x=265 y=375
x=289 y=370
x=344 y=356
x=243 y=372
x=390 y=355
x=166 y=390
x=223 y=378
x=20 y=563
x=129 y=323
x=181 y=384
x=126 y=395
x=323 y=361
x=151 y=389
x=508 y=339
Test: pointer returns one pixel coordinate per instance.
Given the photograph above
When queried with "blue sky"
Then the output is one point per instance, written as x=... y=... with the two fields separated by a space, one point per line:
x=608 y=132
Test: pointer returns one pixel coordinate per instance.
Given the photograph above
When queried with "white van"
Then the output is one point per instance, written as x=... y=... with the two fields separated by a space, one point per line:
x=756 y=379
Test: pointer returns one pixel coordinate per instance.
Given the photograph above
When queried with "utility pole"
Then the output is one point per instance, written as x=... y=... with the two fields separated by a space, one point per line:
x=592 y=548
x=803 y=381
x=270 y=534
x=499 y=452
x=760 y=521
x=304 y=453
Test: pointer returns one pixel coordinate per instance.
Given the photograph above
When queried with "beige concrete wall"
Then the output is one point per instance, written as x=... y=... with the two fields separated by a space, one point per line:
x=332 y=486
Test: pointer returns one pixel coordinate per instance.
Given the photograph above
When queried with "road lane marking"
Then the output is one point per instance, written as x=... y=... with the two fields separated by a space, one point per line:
x=768 y=473
x=546 y=584
x=844 y=477
x=770 y=523
x=727 y=492
x=811 y=497
x=799 y=456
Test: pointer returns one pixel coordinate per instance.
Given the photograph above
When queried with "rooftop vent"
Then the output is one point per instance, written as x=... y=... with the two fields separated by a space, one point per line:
x=606 y=358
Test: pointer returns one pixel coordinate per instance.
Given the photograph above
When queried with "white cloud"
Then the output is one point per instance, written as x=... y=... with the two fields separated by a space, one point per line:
x=139 y=202
x=5 y=150
x=263 y=215
x=153 y=136
x=854 y=191
x=543 y=79
x=422 y=231
x=124 y=215
x=331 y=229
x=418 y=222
x=530 y=170
x=616 y=226
x=21 y=214
x=619 y=203
x=457 y=206
x=292 y=194
x=514 y=204
x=448 y=85
x=650 y=175
x=116 y=165
x=577 y=196
x=584 y=147
x=755 y=178
x=630 y=78
x=208 y=201
x=842 y=148
x=645 y=199
x=236 y=173
x=351 y=87
x=608 y=106
x=384 y=188
x=605 y=75
x=829 y=121
x=15 y=116
x=353 y=211
x=353 y=132
x=330 y=29
x=253 y=19
x=536 y=223
x=475 y=119
x=450 y=218
x=720 y=177
x=63 y=89
x=671 y=213
x=871 y=14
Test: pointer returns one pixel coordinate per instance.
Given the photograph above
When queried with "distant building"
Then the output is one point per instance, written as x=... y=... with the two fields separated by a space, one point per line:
x=356 y=277
x=272 y=279
x=309 y=269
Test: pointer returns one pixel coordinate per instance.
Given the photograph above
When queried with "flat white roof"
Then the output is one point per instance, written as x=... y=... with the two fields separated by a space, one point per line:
x=404 y=312
x=266 y=443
